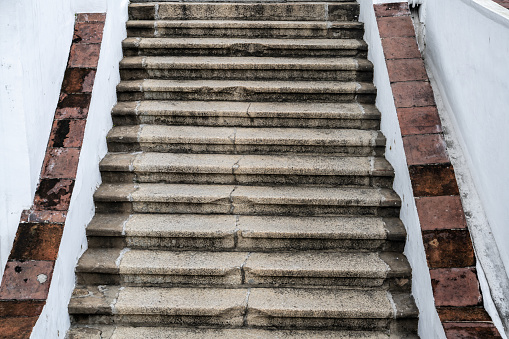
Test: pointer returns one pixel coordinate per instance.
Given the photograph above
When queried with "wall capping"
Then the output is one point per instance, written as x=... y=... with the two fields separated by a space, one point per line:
x=29 y=270
x=449 y=251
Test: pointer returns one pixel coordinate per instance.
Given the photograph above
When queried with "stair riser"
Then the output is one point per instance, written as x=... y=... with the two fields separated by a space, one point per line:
x=259 y=11
x=239 y=94
x=244 y=244
x=233 y=280
x=241 y=74
x=120 y=120
x=260 y=209
x=259 y=180
x=253 y=320
x=245 y=50
x=114 y=146
x=280 y=33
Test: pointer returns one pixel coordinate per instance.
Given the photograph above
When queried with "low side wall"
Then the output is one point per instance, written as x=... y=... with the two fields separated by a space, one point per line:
x=429 y=323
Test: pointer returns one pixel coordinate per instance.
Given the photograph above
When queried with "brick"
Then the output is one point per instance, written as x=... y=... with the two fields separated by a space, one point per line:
x=37 y=241
x=91 y=17
x=412 y=94
x=425 y=149
x=78 y=80
x=71 y=113
x=455 y=287
x=448 y=248
x=436 y=213
x=74 y=100
x=84 y=55
x=391 y=27
x=419 y=120
x=26 y=280
x=433 y=180
x=406 y=70
x=21 y=308
x=88 y=32
x=55 y=217
x=60 y=163
x=53 y=194
x=400 y=48
x=451 y=314
x=391 y=9
x=67 y=133
x=472 y=330
x=17 y=327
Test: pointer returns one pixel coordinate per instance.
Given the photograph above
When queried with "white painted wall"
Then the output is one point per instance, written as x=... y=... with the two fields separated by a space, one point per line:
x=467 y=49
x=35 y=38
x=429 y=323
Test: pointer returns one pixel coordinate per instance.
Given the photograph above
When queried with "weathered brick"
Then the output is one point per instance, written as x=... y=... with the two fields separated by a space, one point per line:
x=400 y=48
x=78 y=80
x=67 y=133
x=37 y=241
x=448 y=248
x=406 y=70
x=88 y=32
x=473 y=313
x=26 y=280
x=391 y=27
x=84 y=55
x=419 y=120
x=425 y=149
x=61 y=163
x=455 y=287
x=445 y=212
x=391 y=9
x=412 y=94
x=53 y=194
x=433 y=180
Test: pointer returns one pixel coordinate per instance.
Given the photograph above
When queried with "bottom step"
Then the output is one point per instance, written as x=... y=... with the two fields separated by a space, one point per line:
x=110 y=332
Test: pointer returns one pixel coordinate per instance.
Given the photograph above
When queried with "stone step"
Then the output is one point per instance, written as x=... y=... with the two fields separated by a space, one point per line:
x=287 y=11
x=245 y=233
x=259 y=170
x=245 y=29
x=244 y=140
x=125 y=332
x=241 y=269
x=247 y=200
x=247 y=114
x=245 y=47
x=286 y=308
x=240 y=68
x=246 y=90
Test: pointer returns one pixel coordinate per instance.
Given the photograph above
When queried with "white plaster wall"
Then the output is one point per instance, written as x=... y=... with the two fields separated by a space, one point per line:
x=429 y=323
x=467 y=48
x=34 y=41
x=54 y=320
x=35 y=38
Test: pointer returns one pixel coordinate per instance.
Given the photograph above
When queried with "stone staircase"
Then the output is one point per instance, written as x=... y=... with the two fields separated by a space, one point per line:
x=245 y=193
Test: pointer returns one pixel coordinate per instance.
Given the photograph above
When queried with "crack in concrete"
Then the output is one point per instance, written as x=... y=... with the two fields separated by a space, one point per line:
x=235 y=166
x=230 y=197
x=244 y=320
x=247 y=111
x=236 y=232
x=242 y=271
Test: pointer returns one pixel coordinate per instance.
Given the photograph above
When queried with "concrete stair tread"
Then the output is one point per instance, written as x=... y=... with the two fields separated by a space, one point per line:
x=238 y=136
x=247 y=63
x=217 y=226
x=297 y=110
x=229 y=195
x=246 y=164
x=168 y=42
x=244 y=24
x=126 y=332
x=233 y=303
x=322 y=87
x=249 y=264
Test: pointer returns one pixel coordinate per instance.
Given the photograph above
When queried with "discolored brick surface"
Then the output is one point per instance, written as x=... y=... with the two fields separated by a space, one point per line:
x=455 y=287
x=61 y=163
x=474 y=330
x=26 y=280
x=406 y=70
x=433 y=180
x=400 y=48
x=67 y=133
x=392 y=9
x=17 y=327
x=448 y=248
x=37 y=241
x=78 y=80
x=53 y=194
x=412 y=94
x=472 y=313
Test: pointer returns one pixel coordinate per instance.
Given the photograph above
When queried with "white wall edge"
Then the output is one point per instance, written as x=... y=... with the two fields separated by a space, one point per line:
x=490 y=10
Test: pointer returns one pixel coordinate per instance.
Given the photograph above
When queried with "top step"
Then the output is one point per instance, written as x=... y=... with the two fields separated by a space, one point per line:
x=289 y=11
